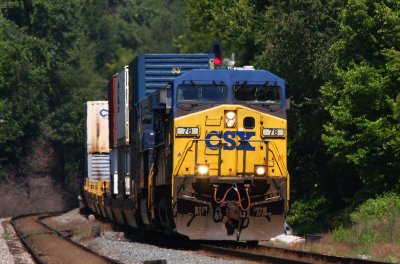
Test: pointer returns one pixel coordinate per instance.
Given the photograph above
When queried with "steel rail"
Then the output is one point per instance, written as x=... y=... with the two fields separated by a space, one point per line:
x=320 y=257
x=71 y=241
x=35 y=255
x=22 y=237
x=250 y=255
x=282 y=255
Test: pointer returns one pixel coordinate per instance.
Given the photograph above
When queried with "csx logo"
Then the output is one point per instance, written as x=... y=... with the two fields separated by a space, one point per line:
x=228 y=137
x=103 y=112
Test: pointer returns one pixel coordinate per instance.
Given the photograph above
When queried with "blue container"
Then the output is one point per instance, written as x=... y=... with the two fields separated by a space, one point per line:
x=150 y=72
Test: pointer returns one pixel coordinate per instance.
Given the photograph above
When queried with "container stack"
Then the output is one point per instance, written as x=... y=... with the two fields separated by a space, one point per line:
x=97 y=145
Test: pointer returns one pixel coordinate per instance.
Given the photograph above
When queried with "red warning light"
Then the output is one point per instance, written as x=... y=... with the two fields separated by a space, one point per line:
x=217 y=50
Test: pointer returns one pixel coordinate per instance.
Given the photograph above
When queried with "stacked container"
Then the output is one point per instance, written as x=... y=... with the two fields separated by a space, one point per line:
x=118 y=97
x=97 y=146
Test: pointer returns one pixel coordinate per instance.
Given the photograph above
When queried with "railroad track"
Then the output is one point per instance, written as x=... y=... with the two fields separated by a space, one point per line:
x=47 y=245
x=268 y=254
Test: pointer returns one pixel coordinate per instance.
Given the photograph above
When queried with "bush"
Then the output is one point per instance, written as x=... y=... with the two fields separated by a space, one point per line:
x=375 y=221
x=341 y=234
x=35 y=195
x=308 y=216
x=381 y=207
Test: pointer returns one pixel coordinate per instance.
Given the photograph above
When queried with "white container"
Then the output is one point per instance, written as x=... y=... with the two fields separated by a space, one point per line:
x=97 y=140
x=98 y=166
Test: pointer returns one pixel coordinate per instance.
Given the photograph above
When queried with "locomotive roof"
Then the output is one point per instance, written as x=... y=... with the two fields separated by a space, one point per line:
x=231 y=76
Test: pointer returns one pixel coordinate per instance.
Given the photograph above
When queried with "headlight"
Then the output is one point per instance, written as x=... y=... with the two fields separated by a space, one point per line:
x=260 y=170
x=230 y=119
x=202 y=169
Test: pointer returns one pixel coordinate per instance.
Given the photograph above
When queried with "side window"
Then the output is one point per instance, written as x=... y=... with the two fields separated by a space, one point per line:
x=257 y=93
x=188 y=93
x=205 y=93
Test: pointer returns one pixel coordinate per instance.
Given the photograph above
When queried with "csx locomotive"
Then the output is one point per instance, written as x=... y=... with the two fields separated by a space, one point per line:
x=190 y=149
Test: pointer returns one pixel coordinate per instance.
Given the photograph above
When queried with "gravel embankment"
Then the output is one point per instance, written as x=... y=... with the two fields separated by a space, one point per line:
x=134 y=253
x=11 y=249
x=6 y=256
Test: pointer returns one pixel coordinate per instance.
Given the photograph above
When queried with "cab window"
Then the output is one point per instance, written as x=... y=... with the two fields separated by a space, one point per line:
x=263 y=93
x=202 y=93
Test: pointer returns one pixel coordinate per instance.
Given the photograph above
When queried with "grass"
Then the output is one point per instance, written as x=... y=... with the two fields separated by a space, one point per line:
x=5 y=236
x=374 y=233
x=375 y=221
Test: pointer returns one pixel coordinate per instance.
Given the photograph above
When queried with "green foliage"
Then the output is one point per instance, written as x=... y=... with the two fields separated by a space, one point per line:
x=367 y=28
x=6 y=236
x=378 y=208
x=375 y=221
x=55 y=55
x=229 y=22
x=341 y=233
x=362 y=98
x=23 y=88
x=307 y=216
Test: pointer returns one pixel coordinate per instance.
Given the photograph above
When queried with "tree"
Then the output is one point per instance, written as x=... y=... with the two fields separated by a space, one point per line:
x=55 y=56
x=294 y=38
x=23 y=87
x=228 y=22
x=363 y=100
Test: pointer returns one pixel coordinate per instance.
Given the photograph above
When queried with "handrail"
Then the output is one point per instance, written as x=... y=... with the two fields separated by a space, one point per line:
x=275 y=151
x=178 y=166
x=196 y=140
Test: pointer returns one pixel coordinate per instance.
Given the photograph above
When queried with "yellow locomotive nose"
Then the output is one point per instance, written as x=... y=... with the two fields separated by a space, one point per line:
x=228 y=141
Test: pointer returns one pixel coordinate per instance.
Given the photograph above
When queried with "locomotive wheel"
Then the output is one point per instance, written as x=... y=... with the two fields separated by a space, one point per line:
x=165 y=214
x=144 y=212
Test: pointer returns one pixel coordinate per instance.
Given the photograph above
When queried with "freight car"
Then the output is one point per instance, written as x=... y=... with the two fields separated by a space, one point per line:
x=193 y=150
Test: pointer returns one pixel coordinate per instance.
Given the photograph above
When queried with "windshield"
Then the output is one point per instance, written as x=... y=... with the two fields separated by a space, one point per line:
x=202 y=93
x=259 y=93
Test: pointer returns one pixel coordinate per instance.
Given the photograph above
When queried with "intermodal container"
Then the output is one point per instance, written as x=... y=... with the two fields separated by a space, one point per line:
x=97 y=127
x=150 y=72
x=123 y=107
x=98 y=166
x=118 y=97
x=113 y=110
x=97 y=136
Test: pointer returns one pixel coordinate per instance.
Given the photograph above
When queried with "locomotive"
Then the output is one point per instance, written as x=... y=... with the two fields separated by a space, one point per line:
x=182 y=146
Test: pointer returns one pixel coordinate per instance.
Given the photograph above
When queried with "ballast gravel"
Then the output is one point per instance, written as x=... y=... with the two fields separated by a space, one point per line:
x=6 y=256
x=11 y=249
x=116 y=246
x=135 y=253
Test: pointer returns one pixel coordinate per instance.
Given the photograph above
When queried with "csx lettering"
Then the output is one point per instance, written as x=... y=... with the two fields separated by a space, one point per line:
x=103 y=112
x=228 y=138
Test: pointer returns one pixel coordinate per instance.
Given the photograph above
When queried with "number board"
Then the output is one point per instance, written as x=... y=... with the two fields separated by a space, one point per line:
x=273 y=132
x=187 y=131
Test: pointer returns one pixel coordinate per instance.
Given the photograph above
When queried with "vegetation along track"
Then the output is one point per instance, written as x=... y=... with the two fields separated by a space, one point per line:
x=267 y=254
x=47 y=245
